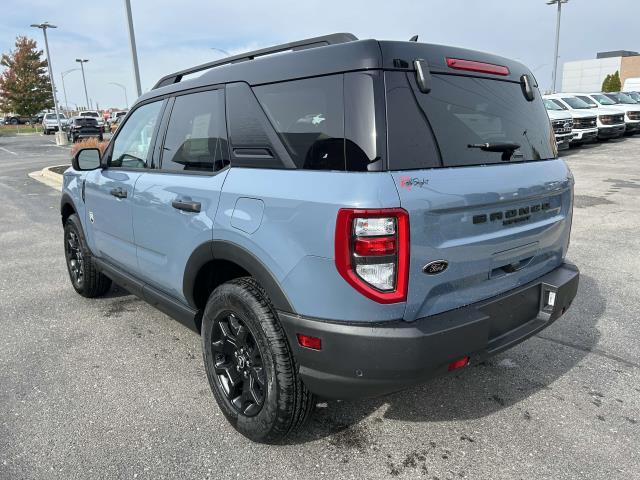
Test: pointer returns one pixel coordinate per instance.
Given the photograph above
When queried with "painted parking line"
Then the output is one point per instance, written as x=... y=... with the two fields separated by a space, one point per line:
x=8 y=151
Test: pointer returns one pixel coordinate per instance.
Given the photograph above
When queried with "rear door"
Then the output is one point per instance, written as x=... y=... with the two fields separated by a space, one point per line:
x=495 y=219
x=109 y=191
x=174 y=205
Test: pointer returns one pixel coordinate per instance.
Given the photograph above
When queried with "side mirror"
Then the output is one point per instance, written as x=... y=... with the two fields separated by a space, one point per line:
x=86 y=159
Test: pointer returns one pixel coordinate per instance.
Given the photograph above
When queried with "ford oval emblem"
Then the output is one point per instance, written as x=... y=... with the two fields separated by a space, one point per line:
x=436 y=267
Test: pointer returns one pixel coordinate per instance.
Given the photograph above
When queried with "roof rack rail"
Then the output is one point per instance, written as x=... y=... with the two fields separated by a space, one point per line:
x=322 y=41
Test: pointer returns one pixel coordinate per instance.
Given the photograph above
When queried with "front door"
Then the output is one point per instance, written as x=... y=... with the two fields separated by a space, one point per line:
x=109 y=191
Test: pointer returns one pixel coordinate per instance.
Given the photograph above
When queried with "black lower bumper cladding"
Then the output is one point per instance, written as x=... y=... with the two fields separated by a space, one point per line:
x=358 y=361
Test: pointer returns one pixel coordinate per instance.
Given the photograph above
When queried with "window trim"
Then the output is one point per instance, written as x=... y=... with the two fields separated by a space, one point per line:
x=106 y=158
x=164 y=125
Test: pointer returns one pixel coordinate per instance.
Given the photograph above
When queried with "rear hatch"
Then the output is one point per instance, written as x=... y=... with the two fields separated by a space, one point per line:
x=499 y=219
x=86 y=126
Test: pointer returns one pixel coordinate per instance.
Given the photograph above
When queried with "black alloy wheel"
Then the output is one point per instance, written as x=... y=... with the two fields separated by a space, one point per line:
x=75 y=258
x=238 y=364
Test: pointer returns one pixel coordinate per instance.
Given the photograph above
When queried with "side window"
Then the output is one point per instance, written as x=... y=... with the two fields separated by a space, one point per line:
x=309 y=117
x=196 y=138
x=131 y=146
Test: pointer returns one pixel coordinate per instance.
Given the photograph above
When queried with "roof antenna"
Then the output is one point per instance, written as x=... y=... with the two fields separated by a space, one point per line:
x=414 y=38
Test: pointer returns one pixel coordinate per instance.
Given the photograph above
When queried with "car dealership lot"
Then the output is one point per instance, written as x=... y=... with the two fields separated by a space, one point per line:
x=113 y=388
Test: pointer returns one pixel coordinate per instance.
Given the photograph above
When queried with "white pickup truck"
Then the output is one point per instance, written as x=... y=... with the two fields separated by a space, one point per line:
x=610 y=121
x=562 y=123
x=585 y=125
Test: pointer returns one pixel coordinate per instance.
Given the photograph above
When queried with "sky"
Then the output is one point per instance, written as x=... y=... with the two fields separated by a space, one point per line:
x=172 y=35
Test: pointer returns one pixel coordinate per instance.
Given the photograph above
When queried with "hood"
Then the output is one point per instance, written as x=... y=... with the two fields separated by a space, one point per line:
x=559 y=115
x=583 y=113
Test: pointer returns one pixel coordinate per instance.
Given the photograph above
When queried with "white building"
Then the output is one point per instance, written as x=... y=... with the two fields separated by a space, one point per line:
x=588 y=75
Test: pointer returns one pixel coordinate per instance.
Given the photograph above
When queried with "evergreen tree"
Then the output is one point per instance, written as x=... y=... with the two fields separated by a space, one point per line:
x=25 y=88
x=615 y=85
x=606 y=83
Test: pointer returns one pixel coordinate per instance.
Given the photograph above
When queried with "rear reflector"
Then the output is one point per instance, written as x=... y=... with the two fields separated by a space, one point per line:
x=462 y=362
x=479 y=67
x=307 y=341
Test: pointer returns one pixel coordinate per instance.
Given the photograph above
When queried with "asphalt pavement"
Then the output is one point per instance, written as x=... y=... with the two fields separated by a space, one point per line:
x=112 y=388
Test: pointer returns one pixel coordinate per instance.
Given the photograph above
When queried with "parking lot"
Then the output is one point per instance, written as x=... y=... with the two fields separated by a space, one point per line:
x=112 y=388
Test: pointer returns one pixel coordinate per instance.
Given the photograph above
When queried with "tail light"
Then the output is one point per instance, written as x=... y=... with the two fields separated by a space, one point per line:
x=372 y=252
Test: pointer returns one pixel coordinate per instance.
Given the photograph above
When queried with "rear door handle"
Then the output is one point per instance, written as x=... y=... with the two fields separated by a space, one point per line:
x=119 y=192
x=186 y=205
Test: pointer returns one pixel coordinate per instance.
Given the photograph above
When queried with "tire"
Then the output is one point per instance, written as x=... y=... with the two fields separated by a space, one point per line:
x=276 y=401
x=101 y=138
x=14 y=121
x=84 y=276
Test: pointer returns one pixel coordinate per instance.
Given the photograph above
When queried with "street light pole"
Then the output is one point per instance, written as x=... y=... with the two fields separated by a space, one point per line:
x=555 y=56
x=82 y=61
x=126 y=100
x=66 y=103
x=61 y=138
x=132 y=42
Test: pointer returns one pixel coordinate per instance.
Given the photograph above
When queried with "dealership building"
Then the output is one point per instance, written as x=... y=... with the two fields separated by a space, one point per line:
x=588 y=75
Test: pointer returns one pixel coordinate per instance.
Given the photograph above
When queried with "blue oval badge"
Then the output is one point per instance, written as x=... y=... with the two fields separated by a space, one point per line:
x=435 y=267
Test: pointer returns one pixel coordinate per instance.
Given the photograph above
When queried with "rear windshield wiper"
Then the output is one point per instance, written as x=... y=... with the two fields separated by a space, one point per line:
x=506 y=148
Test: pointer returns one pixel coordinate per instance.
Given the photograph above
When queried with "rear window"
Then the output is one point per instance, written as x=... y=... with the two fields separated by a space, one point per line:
x=460 y=111
x=86 y=122
x=89 y=114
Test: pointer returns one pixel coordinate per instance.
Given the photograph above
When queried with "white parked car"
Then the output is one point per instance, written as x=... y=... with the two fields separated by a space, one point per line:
x=585 y=124
x=93 y=114
x=631 y=111
x=610 y=121
x=50 y=123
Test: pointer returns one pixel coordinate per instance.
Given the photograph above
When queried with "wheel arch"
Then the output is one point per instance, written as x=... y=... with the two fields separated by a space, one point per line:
x=227 y=260
x=67 y=207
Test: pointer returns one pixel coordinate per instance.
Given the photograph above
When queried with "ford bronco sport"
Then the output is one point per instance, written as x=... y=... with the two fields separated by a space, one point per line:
x=344 y=219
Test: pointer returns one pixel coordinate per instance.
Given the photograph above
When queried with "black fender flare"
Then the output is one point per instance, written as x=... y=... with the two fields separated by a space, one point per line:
x=224 y=250
x=66 y=199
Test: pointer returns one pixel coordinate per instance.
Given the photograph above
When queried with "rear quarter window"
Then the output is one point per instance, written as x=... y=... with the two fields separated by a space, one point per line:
x=328 y=123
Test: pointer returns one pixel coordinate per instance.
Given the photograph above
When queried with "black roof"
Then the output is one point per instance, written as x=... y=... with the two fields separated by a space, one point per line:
x=331 y=54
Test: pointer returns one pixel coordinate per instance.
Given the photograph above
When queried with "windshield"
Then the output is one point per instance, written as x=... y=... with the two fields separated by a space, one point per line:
x=560 y=104
x=52 y=116
x=551 y=105
x=603 y=100
x=588 y=101
x=634 y=95
x=575 y=102
x=623 y=98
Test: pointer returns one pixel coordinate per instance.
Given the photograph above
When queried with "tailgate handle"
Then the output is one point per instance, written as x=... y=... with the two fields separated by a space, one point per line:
x=512 y=267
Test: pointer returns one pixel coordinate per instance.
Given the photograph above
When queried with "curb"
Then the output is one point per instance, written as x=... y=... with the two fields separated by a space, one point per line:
x=48 y=177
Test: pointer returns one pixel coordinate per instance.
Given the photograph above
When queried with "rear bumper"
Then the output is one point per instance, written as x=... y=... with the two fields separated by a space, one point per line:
x=358 y=361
